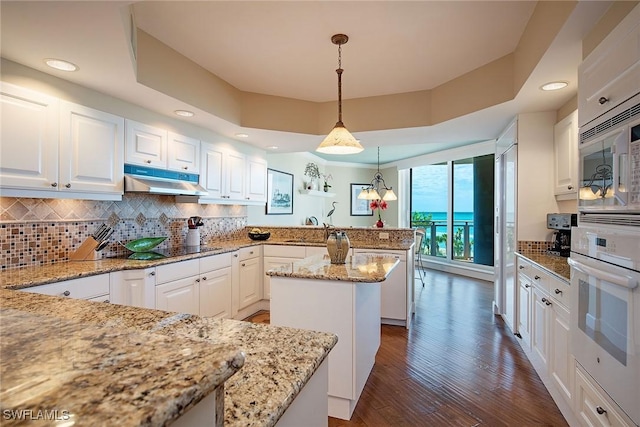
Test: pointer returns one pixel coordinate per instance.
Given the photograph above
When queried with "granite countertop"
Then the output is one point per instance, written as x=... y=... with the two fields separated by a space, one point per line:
x=106 y=362
x=555 y=264
x=358 y=268
x=25 y=277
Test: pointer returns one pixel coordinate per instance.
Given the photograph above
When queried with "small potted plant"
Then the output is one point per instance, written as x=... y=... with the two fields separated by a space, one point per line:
x=312 y=171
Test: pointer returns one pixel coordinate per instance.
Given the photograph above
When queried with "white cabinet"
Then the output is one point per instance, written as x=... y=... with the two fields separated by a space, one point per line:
x=561 y=361
x=234 y=184
x=183 y=153
x=216 y=286
x=146 y=145
x=565 y=144
x=540 y=325
x=58 y=149
x=182 y=295
x=593 y=406
x=524 y=310
x=92 y=287
x=134 y=287
x=276 y=256
x=29 y=149
x=250 y=276
x=611 y=73
x=256 y=182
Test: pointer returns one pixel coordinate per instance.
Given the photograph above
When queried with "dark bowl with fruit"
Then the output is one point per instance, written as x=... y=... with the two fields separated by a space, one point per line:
x=257 y=234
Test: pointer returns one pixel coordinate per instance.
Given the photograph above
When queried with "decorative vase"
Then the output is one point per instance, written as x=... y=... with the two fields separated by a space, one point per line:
x=314 y=184
x=326 y=187
x=379 y=224
x=338 y=246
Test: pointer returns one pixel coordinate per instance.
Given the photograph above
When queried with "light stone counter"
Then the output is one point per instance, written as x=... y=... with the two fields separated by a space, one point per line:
x=357 y=268
x=107 y=363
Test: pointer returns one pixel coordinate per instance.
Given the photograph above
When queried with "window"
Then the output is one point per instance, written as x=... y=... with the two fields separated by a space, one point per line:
x=453 y=202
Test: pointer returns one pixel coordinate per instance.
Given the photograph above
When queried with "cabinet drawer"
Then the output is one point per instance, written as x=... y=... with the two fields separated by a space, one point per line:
x=178 y=270
x=590 y=402
x=215 y=262
x=400 y=255
x=83 y=288
x=560 y=291
x=539 y=278
x=282 y=251
x=250 y=252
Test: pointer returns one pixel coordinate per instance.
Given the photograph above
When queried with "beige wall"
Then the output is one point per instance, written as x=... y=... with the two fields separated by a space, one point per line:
x=615 y=14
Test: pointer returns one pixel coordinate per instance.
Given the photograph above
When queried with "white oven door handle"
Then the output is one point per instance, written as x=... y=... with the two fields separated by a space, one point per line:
x=617 y=279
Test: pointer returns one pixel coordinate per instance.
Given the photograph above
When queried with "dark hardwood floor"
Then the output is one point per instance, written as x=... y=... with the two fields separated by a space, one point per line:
x=459 y=365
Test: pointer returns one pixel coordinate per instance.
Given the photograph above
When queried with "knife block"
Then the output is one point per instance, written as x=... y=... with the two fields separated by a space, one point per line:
x=86 y=251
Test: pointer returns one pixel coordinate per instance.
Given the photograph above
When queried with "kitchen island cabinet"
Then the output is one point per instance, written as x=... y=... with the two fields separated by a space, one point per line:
x=343 y=299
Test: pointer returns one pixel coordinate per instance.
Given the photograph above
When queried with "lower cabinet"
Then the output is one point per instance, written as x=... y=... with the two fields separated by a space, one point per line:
x=540 y=325
x=250 y=283
x=94 y=288
x=561 y=361
x=215 y=293
x=524 y=310
x=134 y=287
x=181 y=296
x=592 y=405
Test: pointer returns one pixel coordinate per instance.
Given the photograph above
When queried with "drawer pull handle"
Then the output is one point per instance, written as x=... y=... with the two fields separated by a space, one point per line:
x=546 y=301
x=153 y=273
x=147 y=161
x=527 y=285
x=197 y=280
x=558 y=291
x=107 y=301
x=204 y=277
x=54 y=184
x=537 y=277
x=521 y=267
x=243 y=264
x=67 y=185
x=570 y=187
x=602 y=100
x=66 y=293
x=600 y=410
x=235 y=255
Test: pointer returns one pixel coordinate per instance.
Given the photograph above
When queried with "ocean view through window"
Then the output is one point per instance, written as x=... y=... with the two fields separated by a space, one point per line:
x=453 y=202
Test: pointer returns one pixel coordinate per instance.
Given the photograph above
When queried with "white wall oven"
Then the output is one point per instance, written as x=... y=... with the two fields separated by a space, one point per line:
x=610 y=161
x=605 y=315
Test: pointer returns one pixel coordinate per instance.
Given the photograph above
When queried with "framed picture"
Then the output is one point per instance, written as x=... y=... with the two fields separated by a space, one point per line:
x=279 y=193
x=359 y=207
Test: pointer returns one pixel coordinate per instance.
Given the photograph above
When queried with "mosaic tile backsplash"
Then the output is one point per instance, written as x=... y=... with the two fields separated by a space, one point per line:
x=43 y=231
x=534 y=247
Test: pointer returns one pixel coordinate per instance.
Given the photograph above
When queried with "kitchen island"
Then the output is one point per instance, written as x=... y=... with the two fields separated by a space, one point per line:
x=99 y=364
x=343 y=299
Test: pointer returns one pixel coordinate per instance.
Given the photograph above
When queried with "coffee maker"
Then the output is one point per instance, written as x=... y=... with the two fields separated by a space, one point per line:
x=561 y=223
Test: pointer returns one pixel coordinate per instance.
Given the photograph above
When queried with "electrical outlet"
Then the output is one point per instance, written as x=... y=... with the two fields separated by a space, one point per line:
x=384 y=236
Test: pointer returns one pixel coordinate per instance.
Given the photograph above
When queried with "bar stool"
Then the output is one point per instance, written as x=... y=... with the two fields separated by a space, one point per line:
x=420 y=233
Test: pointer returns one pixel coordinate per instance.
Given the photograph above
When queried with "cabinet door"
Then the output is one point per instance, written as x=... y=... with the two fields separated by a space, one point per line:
x=212 y=177
x=136 y=288
x=271 y=263
x=82 y=288
x=565 y=144
x=183 y=153
x=524 y=310
x=215 y=293
x=29 y=134
x=181 y=296
x=234 y=185
x=540 y=325
x=91 y=150
x=250 y=282
x=256 y=179
x=145 y=145
x=561 y=363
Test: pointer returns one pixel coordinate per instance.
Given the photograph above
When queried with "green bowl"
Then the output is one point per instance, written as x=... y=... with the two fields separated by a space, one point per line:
x=145 y=244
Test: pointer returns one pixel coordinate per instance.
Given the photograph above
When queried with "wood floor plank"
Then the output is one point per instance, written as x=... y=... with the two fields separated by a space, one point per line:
x=459 y=365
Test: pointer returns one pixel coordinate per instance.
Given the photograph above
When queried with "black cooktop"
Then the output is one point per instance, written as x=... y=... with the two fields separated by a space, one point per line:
x=165 y=253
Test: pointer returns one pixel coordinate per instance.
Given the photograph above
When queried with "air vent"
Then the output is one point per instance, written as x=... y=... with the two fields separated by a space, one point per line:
x=617 y=219
x=614 y=121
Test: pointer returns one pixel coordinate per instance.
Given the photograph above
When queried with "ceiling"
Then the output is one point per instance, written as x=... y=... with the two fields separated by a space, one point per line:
x=284 y=49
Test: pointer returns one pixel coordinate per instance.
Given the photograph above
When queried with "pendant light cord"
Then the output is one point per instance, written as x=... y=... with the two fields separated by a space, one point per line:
x=339 y=71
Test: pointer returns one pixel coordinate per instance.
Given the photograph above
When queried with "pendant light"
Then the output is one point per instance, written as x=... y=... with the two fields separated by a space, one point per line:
x=372 y=191
x=339 y=140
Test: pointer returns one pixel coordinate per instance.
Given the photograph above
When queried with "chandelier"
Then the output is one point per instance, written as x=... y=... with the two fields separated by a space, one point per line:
x=339 y=140
x=372 y=191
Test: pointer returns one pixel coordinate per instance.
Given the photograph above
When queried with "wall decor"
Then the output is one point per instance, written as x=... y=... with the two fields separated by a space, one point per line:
x=279 y=193
x=359 y=207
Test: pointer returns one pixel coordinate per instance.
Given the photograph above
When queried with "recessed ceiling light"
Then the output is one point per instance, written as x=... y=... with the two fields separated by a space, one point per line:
x=242 y=135
x=554 y=85
x=184 y=113
x=272 y=147
x=61 y=65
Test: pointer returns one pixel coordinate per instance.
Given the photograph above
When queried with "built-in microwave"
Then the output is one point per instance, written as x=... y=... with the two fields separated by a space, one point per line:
x=609 y=168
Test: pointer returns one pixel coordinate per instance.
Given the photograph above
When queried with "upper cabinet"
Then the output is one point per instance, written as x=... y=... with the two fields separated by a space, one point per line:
x=611 y=73
x=565 y=144
x=146 y=145
x=183 y=153
x=57 y=149
x=230 y=177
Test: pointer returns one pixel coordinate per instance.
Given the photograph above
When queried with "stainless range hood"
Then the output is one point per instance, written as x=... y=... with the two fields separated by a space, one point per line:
x=140 y=179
